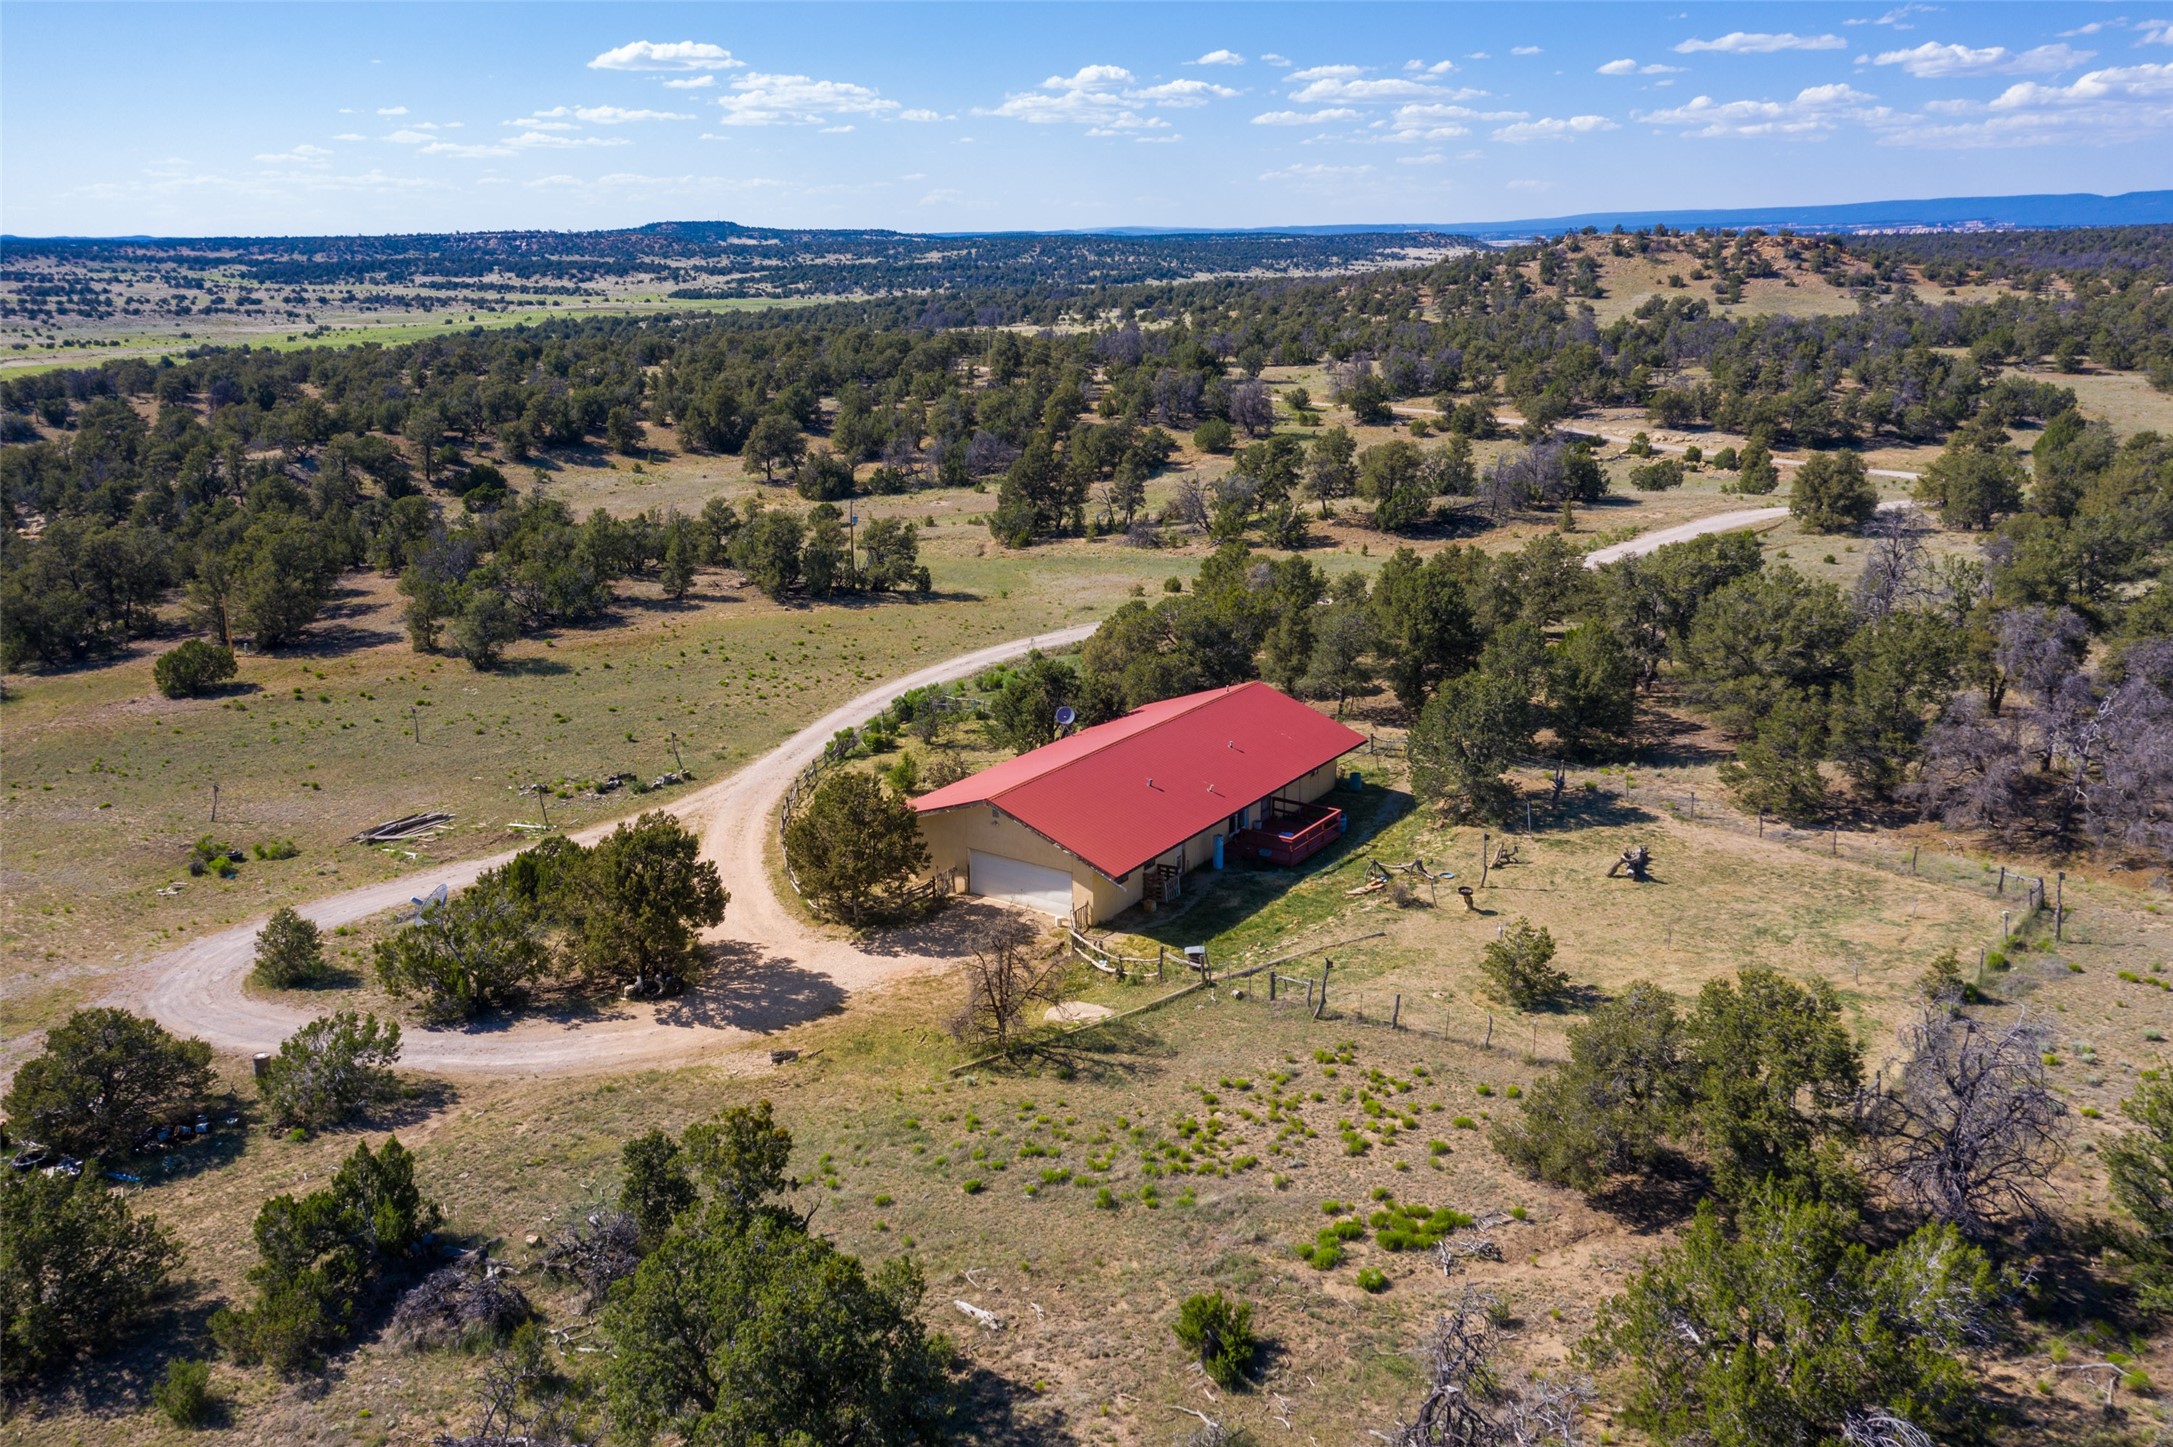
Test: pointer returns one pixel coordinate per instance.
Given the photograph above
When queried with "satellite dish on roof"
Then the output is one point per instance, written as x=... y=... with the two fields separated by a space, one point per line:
x=1066 y=716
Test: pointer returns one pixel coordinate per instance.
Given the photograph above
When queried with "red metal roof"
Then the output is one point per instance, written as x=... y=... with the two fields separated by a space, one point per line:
x=1120 y=793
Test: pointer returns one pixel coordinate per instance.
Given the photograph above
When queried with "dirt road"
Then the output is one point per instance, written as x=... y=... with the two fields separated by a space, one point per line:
x=777 y=970
x=1719 y=522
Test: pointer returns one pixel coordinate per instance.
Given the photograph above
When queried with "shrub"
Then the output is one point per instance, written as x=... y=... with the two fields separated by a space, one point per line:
x=277 y=849
x=1372 y=1279
x=854 y=846
x=78 y=1271
x=193 y=668
x=184 y=1393
x=329 y=1069
x=103 y=1076
x=1659 y=475
x=1518 y=965
x=1218 y=1329
x=290 y=953
x=321 y=1253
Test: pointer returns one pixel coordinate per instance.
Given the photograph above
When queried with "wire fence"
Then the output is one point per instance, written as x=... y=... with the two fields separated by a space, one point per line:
x=1432 y=1015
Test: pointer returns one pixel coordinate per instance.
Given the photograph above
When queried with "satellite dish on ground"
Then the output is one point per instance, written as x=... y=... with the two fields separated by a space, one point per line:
x=428 y=902
x=1066 y=716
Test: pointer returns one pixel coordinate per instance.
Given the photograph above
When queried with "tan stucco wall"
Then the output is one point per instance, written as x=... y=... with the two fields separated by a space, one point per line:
x=953 y=834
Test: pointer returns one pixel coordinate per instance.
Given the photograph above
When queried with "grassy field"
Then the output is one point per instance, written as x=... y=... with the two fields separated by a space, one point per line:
x=1217 y=1132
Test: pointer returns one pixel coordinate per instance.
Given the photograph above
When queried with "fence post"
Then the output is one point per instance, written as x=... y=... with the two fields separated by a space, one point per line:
x=1161 y=953
x=2059 y=904
x=1271 y=987
x=2003 y=881
x=1488 y=1043
x=1912 y=857
x=1761 y=823
x=1322 y=1008
x=1395 y=1012
x=1309 y=994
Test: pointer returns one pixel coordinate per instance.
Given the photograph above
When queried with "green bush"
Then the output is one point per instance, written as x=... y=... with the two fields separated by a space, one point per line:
x=184 y=1393
x=1372 y=1279
x=193 y=668
x=1218 y=1329
x=1518 y=964
x=290 y=953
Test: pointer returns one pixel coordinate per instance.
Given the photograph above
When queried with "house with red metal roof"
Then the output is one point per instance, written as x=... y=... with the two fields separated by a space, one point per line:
x=1117 y=813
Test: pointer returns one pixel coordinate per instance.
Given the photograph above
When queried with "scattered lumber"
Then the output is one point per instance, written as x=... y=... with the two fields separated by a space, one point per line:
x=981 y=1314
x=410 y=826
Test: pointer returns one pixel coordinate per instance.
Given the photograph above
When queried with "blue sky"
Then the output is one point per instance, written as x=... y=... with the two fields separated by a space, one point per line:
x=185 y=119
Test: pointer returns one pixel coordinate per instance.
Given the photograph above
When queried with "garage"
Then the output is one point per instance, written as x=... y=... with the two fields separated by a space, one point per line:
x=1014 y=881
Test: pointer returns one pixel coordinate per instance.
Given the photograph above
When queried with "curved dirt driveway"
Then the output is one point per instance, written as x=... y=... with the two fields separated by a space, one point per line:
x=1720 y=522
x=783 y=971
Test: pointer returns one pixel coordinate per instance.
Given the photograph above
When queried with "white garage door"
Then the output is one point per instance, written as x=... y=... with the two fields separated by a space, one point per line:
x=1014 y=881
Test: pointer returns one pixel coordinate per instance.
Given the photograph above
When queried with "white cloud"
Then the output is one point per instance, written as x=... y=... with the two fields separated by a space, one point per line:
x=1533 y=186
x=918 y=114
x=1631 y=67
x=670 y=55
x=1550 y=128
x=691 y=82
x=411 y=136
x=1304 y=118
x=1817 y=111
x=2130 y=82
x=1898 y=18
x=943 y=197
x=559 y=118
x=1271 y=58
x=2120 y=103
x=1524 y=50
x=554 y=141
x=1090 y=77
x=1350 y=84
x=392 y=110
x=2156 y=32
x=1431 y=158
x=1933 y=61
x=1478 y=55
x=1315 y=171
x=1180 y=93
x=350 y=136
x=1420 y=67
x=306 y=155
x=1105 y=98
x=759 y=99
x=1219 y=57
x=1738 y=42
x=466 y=152
x=844 y=130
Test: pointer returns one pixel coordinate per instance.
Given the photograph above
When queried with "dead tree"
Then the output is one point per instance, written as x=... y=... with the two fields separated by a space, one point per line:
x=1878 y=1427
x=602 y=1248
x=1638 y=861
x=467 y=1302
x=1002 y=980
x=1971 y=1131
x=1468 y=1405
x=524 y=1404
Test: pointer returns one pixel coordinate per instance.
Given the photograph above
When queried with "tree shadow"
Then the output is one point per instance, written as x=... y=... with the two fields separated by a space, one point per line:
x=531 y=667
x=1592 y=809
x=745 y=988
x=1669 y=740
x=1108 y=1052
x=985 y=1413
x=1658 y=1198
x=961 y=926
x=420 y=1097
x=118 y=1383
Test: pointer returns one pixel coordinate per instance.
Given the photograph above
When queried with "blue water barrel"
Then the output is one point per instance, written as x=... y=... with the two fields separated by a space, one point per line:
x=1218 y=851
x=1357 y=780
